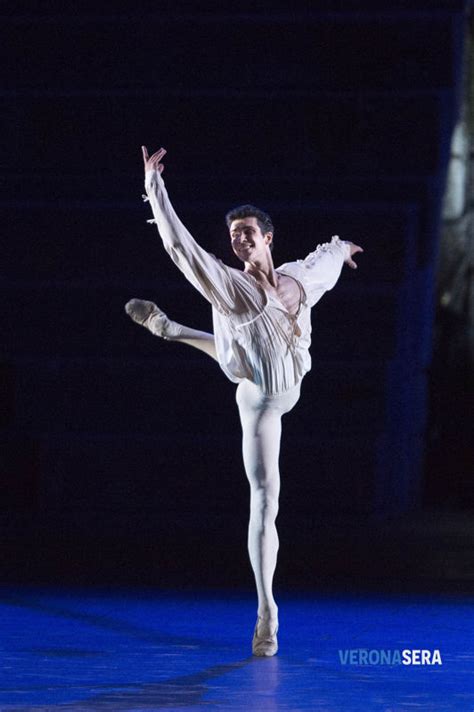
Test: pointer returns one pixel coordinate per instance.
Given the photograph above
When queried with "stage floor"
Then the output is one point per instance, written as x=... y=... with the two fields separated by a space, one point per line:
x=133 y=649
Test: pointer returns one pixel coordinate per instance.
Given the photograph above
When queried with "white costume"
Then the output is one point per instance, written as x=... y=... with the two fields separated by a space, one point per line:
x=264 y=349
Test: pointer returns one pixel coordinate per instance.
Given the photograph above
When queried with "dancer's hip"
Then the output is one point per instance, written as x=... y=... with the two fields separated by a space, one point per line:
x=249 y=395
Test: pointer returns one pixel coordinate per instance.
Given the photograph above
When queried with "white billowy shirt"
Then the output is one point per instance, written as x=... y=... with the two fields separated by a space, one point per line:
x=256 y=337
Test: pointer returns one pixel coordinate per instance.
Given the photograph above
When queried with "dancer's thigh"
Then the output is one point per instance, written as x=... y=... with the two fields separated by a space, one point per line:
x=251 y=400
x=260 y=416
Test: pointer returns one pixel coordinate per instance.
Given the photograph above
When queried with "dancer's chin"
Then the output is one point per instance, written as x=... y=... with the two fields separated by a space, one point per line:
x=243 y=256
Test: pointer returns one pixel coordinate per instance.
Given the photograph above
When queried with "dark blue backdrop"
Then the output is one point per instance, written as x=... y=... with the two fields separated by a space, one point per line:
x=124 y=450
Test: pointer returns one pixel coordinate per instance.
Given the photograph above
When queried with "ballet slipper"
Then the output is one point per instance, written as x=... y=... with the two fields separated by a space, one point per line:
x=265 y=644
x=147 y=314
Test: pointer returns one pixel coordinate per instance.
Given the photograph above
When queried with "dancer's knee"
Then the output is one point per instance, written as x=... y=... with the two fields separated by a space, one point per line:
x=264 y=504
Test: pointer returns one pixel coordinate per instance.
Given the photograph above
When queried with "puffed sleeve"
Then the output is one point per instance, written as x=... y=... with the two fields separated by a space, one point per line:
x=203 y=270
x=321 y=269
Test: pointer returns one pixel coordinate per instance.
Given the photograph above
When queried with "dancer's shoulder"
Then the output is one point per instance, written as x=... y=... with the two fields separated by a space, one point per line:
x=292 y=268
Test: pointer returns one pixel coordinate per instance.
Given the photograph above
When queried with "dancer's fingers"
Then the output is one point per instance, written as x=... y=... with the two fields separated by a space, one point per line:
x=153 y=161
x=158 y=155
x=354 y=249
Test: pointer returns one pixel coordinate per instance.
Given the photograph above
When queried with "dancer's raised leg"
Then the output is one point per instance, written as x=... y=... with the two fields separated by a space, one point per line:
x=147 y=314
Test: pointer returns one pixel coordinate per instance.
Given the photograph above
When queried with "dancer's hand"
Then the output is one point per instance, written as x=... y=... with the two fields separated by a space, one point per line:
x=354 y=249
x=152 y=163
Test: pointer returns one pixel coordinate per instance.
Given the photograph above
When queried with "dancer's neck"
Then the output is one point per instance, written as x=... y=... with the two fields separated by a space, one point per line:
x=263 y=270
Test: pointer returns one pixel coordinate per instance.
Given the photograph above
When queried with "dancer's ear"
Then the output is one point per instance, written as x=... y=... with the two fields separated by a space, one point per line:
x=269 y=239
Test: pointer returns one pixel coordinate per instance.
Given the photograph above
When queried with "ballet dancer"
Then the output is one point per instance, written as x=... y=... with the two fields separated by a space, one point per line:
x=261 y=339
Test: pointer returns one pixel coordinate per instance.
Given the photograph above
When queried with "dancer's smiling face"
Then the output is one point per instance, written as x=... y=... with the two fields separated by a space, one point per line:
x=247 y=240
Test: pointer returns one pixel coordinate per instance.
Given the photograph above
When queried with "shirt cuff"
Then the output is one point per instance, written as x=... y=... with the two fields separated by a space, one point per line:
x=152 y=177
x=345 y=246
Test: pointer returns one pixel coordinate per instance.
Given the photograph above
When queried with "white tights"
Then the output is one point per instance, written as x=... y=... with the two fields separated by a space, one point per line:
x=260 y=416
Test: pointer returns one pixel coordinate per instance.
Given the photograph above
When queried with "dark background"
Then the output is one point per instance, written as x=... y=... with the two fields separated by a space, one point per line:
x=121 y=452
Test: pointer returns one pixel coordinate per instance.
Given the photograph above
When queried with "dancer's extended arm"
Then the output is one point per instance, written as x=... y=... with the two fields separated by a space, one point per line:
x=321 y=269
x=205 y=272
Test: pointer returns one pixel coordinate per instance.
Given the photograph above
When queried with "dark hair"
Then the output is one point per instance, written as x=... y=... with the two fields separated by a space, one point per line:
x=264 y=220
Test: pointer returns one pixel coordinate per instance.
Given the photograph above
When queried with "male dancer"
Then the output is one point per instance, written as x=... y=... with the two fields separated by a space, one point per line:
x=262 y=328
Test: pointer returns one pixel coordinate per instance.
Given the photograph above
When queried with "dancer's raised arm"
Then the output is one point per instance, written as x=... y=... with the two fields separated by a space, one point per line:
x=205 y=272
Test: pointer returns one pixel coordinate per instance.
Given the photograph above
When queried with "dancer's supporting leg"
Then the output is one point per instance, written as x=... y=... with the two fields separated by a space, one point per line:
x=260 y=416
x=147 y=314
